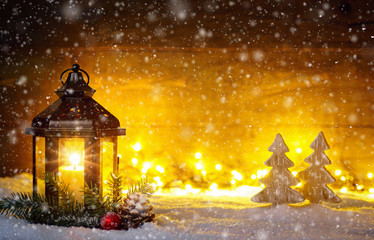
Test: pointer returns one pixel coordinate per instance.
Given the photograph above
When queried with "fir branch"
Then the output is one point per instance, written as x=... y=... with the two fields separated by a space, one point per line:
x=37 y=208
x=115 y=192
x=24 y=205
x=144 y=186
x=95 y=204
x=65 y=195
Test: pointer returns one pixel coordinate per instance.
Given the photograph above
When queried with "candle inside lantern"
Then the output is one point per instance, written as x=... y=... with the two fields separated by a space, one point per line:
x=74 y=175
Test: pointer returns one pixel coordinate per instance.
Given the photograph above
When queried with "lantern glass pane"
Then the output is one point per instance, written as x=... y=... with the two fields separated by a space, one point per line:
x=40 y=163
x=107 y=157
x=71 y=164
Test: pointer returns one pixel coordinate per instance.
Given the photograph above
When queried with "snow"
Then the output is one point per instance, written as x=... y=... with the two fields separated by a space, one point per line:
x=215 y=216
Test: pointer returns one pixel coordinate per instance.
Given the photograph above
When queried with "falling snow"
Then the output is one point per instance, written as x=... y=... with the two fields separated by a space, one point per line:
x=218 y=78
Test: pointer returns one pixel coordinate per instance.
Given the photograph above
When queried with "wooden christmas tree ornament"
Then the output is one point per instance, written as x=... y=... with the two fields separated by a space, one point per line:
x=316 y=175
x=279 y=179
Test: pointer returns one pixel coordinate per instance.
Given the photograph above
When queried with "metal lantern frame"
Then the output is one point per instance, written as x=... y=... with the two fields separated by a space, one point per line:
x=75 y=115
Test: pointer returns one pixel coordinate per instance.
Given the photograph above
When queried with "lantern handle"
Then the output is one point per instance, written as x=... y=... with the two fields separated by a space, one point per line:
x=75 y=68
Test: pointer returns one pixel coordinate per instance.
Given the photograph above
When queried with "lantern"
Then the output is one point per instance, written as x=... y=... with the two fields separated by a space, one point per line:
x=75 y=138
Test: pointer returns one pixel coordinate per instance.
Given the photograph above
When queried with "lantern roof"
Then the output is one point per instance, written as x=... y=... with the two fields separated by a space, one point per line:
x=75 y=113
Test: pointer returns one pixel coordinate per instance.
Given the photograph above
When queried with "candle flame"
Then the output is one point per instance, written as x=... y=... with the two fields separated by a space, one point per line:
x=75 y=159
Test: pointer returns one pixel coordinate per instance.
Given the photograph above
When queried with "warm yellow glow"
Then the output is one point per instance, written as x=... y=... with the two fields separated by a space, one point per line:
x=359 y=187
x=203 y=172
x=214 y=186
x=125 y=191
x=370 y=175
x=218 y=167
x=233 y=181
x=119 y=155
x=238 y=176
x=103 y=149
x=261 y=173
x=147 y=165
x=134 y=161
x=190 y=189
x=371 y=190
x=137 y=147
x=299 y=184
x=344 y=190
x=343 y=178
x=74 y=159
x=299 y=150
x=199 y=165
x=338 y=172
x=198 y=155
x=159 y=183
x=71 y=168
x=160 y=169
x=253 y=176
x=74 y=176
x=294 y=173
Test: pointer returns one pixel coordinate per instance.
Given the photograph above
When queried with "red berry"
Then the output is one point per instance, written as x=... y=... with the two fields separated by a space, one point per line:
x=110 y=221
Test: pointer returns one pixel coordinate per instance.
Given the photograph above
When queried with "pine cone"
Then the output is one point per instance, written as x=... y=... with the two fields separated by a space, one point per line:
x=137 y=210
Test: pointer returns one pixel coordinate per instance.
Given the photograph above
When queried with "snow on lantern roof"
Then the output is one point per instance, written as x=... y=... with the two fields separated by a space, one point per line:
x=75 y=113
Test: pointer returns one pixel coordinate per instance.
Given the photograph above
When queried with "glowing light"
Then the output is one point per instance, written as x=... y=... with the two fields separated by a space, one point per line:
x=262 y=185
x=160 y=169
x=218 y=167
x=371 y=190
x=198 y=155
x=214 y=186
x=144 y=170
x=294 y=173
x=238 y=176
x=359 y=187
x=203 y=172
x=147 y=165
x=370 y=175
x=343 y=178
x=137 y=147
x=261 y=173
x=188 y=187
x=338 y=172
x=159 y=183
x=75 y=159
x=299 y=150
x=125 y=191
x=233 y=181
x=199 y=166
x=134 y=161
x=344 y=190
x=253 y=176
x=103 y=149
x=119 y=155
x=299 y=184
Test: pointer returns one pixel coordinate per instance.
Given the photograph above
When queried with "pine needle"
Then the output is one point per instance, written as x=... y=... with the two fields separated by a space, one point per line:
x=144 y=186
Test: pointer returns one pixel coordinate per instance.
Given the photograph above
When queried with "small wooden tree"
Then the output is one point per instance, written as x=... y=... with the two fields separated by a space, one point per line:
x=279 y=179
x=316 y=175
